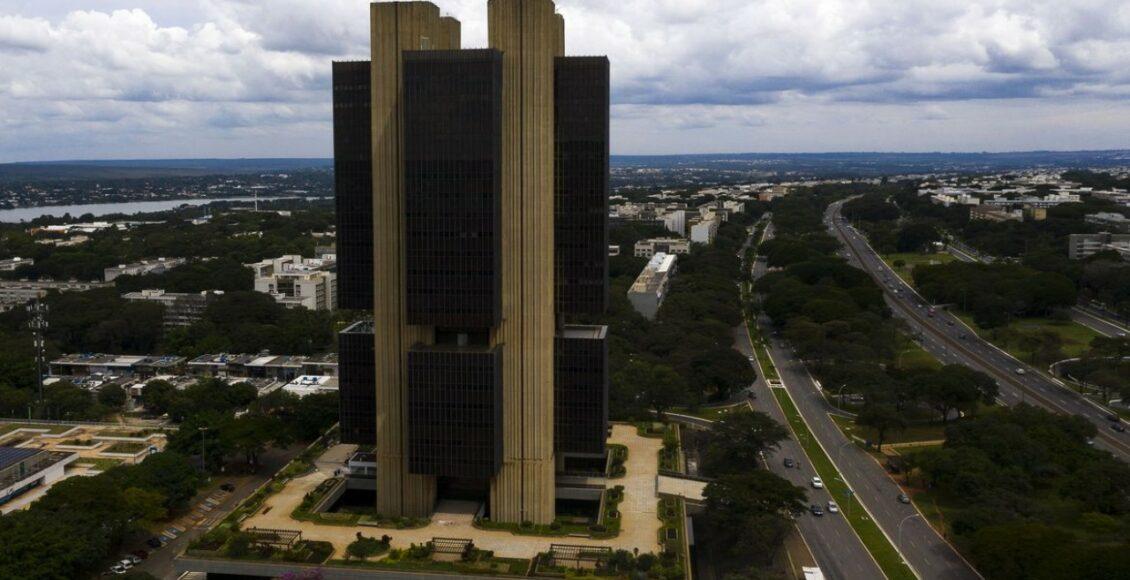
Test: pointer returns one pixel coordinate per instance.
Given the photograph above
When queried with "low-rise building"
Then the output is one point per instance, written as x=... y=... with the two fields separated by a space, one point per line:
x=650 y=287
x=23 y=469
x=158 y=266
x=297 y=282
x=115 y=365
x=15 y=293
x=311 y=385
x=992 y=214
x=649 y=248
x=1080 y=246
x=1110 y=221
x=180 y=309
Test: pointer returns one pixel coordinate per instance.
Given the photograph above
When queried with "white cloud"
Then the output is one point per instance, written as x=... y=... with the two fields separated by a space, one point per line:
x=251 y=77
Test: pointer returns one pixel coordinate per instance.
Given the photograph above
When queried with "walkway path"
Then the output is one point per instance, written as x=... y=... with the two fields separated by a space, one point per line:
x=639 y=524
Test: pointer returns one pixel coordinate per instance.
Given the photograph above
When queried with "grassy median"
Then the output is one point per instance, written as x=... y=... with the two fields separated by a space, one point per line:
x=876 y=543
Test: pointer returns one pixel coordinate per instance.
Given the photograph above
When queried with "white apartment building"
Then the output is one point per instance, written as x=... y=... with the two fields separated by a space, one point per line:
x=650 y=288
x=298 y=282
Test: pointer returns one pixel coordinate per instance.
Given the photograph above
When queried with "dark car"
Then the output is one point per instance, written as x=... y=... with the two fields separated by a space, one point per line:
x=1118 y=427
x=1114 y=418
x=816 y=510
x=789 y=463
x=228 y=487
x=154 y=542
x=140 y=554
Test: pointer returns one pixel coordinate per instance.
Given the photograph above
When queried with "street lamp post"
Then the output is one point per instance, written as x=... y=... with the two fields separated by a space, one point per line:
x=904 y=520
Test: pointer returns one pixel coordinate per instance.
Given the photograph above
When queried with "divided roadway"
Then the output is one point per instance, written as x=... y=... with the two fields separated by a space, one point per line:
x=951 y=341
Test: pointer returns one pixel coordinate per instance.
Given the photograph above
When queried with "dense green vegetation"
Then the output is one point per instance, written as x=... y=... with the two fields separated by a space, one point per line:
x=1027 y=497
x=78 y=525
x=684 y=357
x=995 y=293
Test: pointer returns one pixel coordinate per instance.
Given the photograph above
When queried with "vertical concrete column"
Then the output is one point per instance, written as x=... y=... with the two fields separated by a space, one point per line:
x=529 y=34
x=396 y=27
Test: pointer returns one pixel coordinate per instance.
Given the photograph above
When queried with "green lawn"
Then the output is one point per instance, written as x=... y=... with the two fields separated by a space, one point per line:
x=767 y=368
x=6 y=428
x=713 y=413
x=915 y=357
x=915 y=433
x=1076 y=337
x=881 y=549
x=912 y=260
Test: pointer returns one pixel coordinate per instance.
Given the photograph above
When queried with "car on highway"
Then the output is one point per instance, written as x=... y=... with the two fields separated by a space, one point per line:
x=816 y=510
x=963 y=336
x=1113 y=418
x=817 y=483
x=789 y=463
x=903 y=498
x=833 y=507
x=1118 y=427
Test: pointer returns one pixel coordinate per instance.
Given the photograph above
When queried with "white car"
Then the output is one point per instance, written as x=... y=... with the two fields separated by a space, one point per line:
x=817 y=482
x=117 y=569
x=833 y=507
x=1020 y=371
x=125 y=564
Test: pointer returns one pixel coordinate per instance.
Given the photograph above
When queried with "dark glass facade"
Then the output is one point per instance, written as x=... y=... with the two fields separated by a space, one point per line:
x=455 y=412
x=452 y=187
x=581 y=95
x=357 y=384
x=353 y=184
x=580 y=389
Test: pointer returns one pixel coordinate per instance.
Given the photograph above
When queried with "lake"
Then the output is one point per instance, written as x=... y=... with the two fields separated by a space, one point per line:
x=27 y=214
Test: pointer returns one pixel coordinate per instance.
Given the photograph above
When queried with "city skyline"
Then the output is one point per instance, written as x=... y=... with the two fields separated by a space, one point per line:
x=131 y=78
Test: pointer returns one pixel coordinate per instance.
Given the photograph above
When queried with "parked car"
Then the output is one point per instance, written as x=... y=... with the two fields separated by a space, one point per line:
x=789 y=463
x=833 y=507
x=141 y=554
x=228 y=487
x=125 y=564
x=816 y=510
x=154 y=542
x=133 y=559
x=117 y=569
x=817 y=483
x=903 y=498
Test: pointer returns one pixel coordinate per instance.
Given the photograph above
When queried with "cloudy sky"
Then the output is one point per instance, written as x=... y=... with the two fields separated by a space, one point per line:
x=94 y=79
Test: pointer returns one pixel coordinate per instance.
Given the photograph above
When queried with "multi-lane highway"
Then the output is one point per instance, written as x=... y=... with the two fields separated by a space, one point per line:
x=945 y=336
x=927 y=553
x=834 y=544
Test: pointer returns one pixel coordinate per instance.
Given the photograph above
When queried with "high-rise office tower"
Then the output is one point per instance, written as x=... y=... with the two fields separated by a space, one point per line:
x=488 y=196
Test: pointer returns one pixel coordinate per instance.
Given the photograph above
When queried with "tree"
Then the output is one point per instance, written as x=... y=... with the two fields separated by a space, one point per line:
x=882 y=418
x=746 y=516
x=112 y=396
x=736 y=442
x=251 y=433
x=957 y=387
x=158 y=396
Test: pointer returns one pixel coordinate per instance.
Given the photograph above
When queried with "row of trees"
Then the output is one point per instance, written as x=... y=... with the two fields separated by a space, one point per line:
x=995 y=293
x=685 y=357
x=835 y=318
x=748 y=510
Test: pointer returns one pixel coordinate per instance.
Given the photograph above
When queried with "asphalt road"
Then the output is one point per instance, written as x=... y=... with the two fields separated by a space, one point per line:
x=927 y=553
x=160 y=561
x=834 y=544
x=945 y=336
